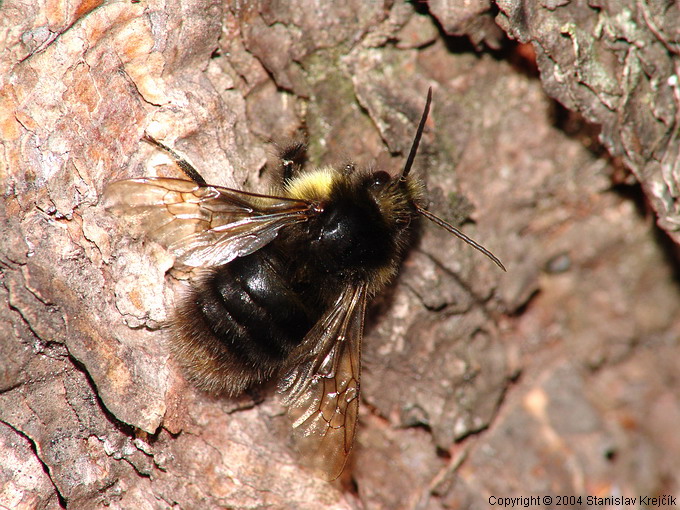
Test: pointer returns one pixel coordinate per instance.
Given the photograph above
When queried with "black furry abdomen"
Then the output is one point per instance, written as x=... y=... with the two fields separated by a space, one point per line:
x=239 y=323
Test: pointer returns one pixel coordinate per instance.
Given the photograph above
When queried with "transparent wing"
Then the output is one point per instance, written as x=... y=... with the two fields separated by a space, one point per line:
x=202 y=225
x=321 y=389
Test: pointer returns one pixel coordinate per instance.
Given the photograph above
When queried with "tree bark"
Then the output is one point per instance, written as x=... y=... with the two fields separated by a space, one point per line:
x=558 y=377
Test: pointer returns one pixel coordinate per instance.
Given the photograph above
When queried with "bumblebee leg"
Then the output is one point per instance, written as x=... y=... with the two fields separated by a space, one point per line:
x=349 y=168
x=292 y=160
x=182 y=163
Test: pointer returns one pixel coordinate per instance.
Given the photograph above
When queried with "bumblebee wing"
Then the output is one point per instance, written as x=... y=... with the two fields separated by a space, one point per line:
x=202 y=225
x=321 y=389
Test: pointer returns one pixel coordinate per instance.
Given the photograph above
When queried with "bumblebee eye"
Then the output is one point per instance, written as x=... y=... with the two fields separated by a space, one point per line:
x=379 y=179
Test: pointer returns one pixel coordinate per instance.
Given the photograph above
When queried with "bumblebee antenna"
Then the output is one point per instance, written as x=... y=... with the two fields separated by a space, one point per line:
x=433 y=218
x=416 y=140
x=453 y=230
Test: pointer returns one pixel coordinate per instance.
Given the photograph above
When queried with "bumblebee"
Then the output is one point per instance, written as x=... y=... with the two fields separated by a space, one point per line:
x=285 y=281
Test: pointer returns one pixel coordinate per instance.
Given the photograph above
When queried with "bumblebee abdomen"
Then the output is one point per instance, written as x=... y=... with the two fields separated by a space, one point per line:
x=242 y=320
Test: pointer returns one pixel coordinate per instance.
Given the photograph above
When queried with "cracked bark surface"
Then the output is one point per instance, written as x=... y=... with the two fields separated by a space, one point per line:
x=558 y=377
